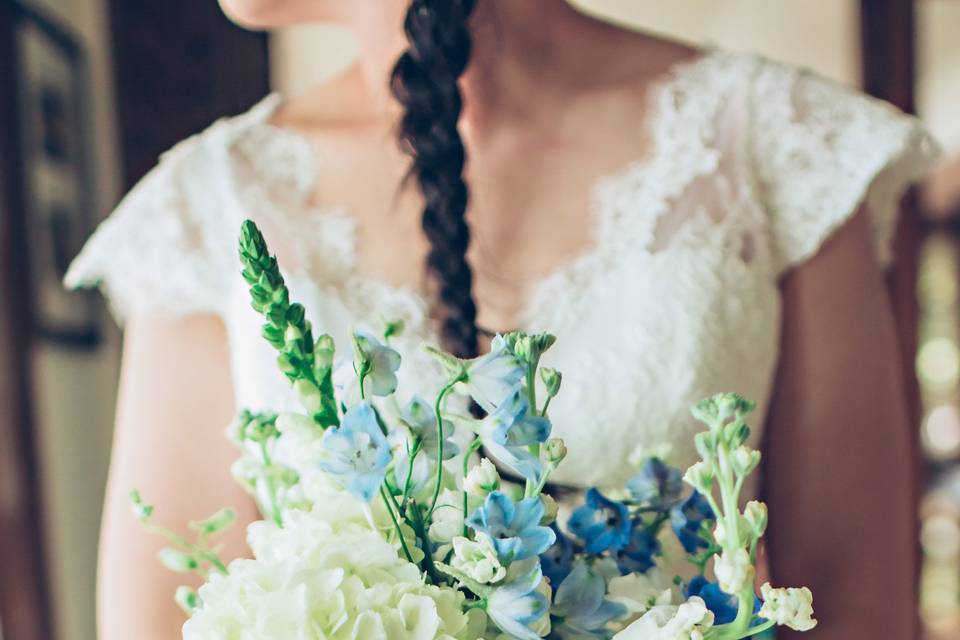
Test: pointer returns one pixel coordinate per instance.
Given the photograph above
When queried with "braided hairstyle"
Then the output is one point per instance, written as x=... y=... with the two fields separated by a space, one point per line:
x=425 y=82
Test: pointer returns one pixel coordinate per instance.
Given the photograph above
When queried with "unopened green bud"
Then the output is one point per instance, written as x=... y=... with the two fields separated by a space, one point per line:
x=755 y=514
x=555 y=450
x=292 y=334
x=187 y=599
x=309 y=395
x=745 y=460
x=706 y=412
x=285 y=365
x=550 y=510
x=220 y=521
x=551 y=380
x=261 y=429
x=736 y=433
x=276 y=314
x=141 y=511
x=273 y=335
x=296 y=314
x=542 y=342
x=393 y=328
x=700 y=476
x=324 y=349
x=524 y=348
x=706 y=443
x=178 y=561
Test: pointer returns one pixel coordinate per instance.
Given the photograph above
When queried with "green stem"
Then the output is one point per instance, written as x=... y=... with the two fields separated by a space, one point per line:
x=418 y=528
x=546 y=405
x=532 y=386
x=476 y=444
x=396 y=525
x=438 y=406
x=273 y=511
x=408 y=483
x=185 y=545
x=730 y=497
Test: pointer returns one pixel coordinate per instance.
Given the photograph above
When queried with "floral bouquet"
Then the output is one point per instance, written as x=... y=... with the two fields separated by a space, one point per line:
x=388 y=519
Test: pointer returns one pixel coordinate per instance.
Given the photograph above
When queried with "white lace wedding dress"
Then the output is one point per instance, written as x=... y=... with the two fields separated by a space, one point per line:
x=754 y=165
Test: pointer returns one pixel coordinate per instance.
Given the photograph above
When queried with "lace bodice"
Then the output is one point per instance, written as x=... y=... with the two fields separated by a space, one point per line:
x=753 y=165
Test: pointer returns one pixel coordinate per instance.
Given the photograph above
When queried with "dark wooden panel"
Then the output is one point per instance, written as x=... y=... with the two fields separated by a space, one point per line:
x=888 y=36
x=180 y=64
x=24 y=604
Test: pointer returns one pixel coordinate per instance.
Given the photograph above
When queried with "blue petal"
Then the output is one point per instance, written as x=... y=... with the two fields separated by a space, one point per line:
x=581 y=593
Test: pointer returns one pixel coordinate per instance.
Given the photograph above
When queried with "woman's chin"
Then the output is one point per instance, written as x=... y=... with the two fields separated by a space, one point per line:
x=267 y=14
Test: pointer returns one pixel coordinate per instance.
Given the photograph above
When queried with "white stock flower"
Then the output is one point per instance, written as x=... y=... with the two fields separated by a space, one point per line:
x=689 y=621
x=733 y=570
x=789 y=607
x=482 y=479
x=477 y=559
x=330 y=577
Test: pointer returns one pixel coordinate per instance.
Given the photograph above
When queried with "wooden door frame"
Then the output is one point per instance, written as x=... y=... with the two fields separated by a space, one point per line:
x=25 y=611
x=889 y=58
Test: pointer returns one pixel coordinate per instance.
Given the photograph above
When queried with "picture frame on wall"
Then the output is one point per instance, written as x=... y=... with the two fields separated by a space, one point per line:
x=52 y=85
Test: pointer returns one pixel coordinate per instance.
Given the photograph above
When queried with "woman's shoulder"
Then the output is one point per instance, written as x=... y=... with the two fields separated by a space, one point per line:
x=167 y=245
x=820 y=150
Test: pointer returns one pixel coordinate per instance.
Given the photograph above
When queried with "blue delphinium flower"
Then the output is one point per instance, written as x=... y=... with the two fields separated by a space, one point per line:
x=357 y=451
x=513 y=527
x=510 y=430
x=723 y=605
x=657 y=484
x=491 y=378
x=382 y=364
x=601 y=523
x=422 y=421
x=557 y=561
x=687 y=518
x=517 y=604
x=638 y=555
x=580 y=607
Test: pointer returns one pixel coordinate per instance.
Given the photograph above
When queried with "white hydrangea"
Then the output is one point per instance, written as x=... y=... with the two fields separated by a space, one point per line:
x=326 y=575
x=299 y=448
x=788 y=607
x=689 y=621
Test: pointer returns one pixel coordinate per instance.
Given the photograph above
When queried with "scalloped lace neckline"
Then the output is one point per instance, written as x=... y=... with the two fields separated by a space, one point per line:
x=641 y=190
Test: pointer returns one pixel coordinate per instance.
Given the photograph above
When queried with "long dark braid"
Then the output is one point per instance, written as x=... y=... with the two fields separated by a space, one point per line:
x=424 y=80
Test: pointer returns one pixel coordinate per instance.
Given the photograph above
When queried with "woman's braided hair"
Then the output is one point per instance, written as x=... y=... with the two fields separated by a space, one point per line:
x=425 y=81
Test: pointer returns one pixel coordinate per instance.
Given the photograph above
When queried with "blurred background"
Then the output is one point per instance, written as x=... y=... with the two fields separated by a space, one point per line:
x=91 y=91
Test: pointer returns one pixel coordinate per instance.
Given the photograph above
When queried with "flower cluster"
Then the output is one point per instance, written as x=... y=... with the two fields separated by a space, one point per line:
x=382 y=519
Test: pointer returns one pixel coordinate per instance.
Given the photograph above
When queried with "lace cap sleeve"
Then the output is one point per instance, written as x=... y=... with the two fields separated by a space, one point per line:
x=166 y=248
x=822 y=150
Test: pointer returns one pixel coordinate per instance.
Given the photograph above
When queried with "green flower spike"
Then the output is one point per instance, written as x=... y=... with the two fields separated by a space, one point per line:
x=307 y=364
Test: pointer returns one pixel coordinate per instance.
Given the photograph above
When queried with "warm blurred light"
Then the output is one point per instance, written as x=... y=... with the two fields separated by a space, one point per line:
x=938 y=362
x=940 y=582
x=942 y=431
x=941 y=536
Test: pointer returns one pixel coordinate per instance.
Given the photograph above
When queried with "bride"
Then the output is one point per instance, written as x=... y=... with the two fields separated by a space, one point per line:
x=694 y=221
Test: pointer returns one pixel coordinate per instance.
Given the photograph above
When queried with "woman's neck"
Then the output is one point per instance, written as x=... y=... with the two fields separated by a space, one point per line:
x=515 y=44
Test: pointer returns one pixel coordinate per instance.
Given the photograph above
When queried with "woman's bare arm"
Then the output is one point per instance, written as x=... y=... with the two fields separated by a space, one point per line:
x=174 y=405
x=839 y=467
